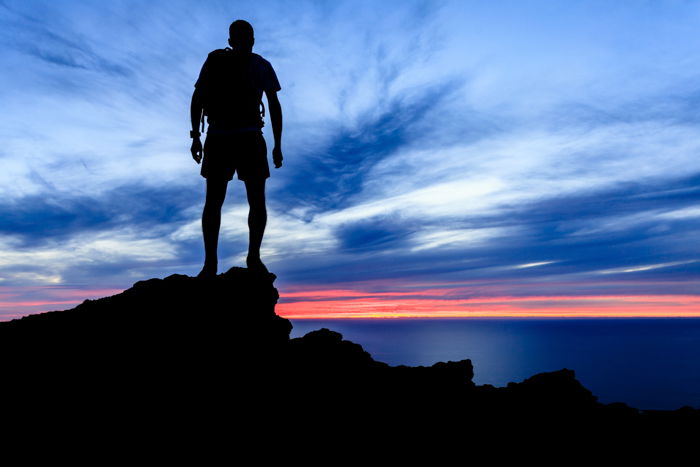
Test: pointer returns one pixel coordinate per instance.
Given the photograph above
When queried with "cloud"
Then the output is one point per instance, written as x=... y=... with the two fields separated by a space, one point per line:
x=326 y=178
x=76 y=259
x=38 y=219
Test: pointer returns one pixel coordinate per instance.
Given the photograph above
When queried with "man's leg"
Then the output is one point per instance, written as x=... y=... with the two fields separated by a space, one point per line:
x=211 y=222
x=257 y=219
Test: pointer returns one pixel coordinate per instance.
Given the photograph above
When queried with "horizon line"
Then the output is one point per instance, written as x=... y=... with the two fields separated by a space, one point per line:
x=429 y=303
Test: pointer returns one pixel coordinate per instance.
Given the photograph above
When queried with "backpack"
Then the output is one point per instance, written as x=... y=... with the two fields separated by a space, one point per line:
x=230 y=97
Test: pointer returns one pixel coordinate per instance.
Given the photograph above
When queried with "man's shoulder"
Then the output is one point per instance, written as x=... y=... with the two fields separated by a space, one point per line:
x=225 y=53
x=260 y=59
x=217 y=53
x=266 y=73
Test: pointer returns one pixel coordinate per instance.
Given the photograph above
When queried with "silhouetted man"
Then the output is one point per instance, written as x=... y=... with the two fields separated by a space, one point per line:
x=229 y=92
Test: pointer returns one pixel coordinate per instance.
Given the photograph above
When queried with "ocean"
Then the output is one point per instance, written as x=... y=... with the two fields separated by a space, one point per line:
x=647 y=363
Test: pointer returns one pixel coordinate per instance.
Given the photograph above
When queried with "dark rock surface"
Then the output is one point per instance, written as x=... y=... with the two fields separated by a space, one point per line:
x=188 y=352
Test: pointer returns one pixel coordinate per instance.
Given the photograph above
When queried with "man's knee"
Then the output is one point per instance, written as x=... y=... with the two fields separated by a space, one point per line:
x=211 y=209
x=257 y=212
x=216 y=193
x=255 y=192
x=213 y=204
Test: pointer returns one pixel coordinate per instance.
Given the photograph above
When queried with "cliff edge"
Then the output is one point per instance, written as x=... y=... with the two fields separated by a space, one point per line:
x=183 y=350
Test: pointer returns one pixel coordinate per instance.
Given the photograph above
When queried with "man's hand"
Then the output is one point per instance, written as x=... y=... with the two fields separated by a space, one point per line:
x=277 y=157
x=196 y=150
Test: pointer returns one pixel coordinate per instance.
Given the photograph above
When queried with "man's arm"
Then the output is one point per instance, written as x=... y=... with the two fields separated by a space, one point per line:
x=273 y=104
x=196 y=117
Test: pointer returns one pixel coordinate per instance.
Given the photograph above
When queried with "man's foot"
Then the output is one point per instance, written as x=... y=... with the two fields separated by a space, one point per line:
x=255 y=264
x=207 y=272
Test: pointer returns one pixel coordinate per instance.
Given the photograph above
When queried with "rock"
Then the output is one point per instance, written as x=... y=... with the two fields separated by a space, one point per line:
x=182 y=351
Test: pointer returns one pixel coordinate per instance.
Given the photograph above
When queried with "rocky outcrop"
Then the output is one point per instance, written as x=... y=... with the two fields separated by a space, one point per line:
x=184 y=350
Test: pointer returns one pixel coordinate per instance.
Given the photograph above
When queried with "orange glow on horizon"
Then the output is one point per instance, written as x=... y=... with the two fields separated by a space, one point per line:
x=16 y=302
x=457 y=300
x=381 y=305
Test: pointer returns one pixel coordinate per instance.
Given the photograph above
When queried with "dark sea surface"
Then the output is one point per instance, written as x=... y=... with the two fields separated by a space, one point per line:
x=647 y=363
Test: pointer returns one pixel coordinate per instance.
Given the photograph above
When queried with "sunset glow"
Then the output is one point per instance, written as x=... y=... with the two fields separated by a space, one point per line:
x=19 y=301
x=330 y=304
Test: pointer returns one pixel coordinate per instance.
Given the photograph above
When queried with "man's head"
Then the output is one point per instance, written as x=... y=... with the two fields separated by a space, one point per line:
x=240 y=35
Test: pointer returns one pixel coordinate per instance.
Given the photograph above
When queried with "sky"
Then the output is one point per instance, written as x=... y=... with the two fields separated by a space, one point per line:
x=466 y=158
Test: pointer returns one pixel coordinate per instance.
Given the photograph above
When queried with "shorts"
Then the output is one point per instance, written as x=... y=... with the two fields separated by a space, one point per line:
x=244 y=152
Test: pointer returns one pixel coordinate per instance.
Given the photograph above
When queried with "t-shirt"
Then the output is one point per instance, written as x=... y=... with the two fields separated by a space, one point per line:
x=232 y=84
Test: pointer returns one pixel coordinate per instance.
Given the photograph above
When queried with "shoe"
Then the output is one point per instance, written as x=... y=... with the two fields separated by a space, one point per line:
x=206 y=273
x=256 y=265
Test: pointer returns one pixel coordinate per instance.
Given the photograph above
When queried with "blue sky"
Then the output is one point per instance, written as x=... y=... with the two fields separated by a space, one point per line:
x=526 y=148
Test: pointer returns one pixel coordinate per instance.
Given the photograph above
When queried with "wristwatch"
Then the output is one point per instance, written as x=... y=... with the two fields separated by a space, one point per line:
x=194 y=134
